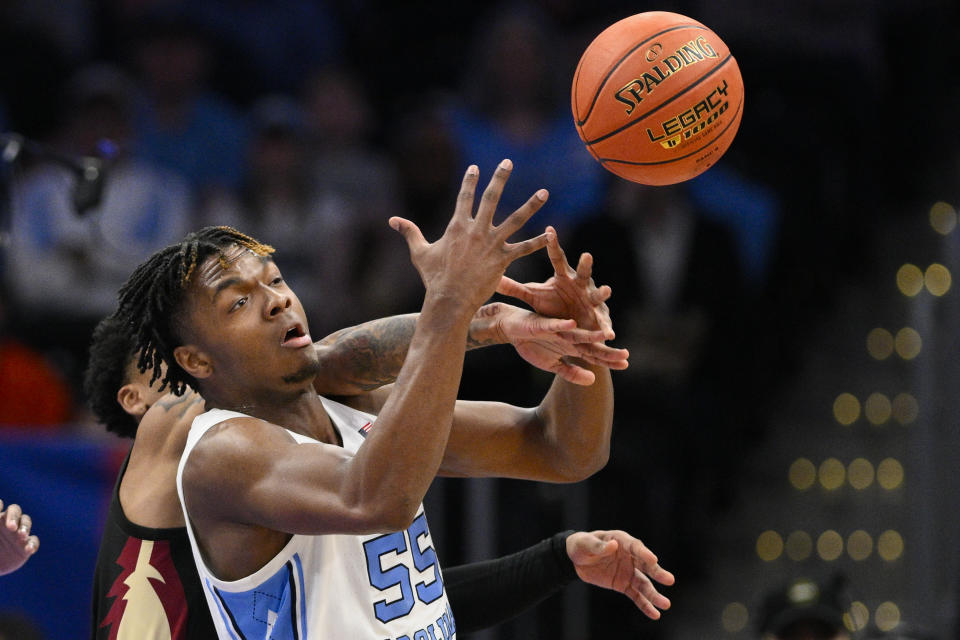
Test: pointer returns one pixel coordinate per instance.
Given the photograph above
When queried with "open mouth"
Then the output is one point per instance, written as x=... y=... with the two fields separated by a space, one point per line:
x=295 y=336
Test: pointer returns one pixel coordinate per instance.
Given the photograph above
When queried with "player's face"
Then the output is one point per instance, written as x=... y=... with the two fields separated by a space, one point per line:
x=249 y=324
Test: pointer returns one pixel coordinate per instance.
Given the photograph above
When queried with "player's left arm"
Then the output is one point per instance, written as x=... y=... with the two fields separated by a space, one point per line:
x=493 y=591
x=567 y=437
x=564 y=439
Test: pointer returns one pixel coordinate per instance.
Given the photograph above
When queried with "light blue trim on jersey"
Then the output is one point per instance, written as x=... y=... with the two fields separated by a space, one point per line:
x=303 y=597
x=223 y=614
x=274 y=609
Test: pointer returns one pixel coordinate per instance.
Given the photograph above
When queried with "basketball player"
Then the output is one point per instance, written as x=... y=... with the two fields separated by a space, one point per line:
x=16 y=543
x=260 y=497
x=145 y=536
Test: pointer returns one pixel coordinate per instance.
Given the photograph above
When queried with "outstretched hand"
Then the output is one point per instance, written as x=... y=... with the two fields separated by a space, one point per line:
x=568 y=293
x=616 y=560
x=16 y=543
x=466 y=264
x=543 y=342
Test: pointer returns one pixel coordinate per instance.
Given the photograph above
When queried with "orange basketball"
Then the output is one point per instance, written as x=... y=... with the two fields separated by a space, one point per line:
x=657 y=98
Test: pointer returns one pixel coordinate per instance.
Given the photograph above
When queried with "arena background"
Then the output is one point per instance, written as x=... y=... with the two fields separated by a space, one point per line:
x=790 y=410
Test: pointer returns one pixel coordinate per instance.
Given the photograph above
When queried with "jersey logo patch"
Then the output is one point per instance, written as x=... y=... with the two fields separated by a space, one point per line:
x=149 y=598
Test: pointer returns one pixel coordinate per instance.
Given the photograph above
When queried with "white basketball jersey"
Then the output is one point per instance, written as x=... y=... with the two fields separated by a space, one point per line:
x=330 y=587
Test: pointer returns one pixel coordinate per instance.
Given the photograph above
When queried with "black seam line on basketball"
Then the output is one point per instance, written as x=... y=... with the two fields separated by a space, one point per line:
x=692 y=153
x=593 y=103
x=665 y=103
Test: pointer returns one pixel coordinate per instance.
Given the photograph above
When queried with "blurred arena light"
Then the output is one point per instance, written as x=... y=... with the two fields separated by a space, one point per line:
x=937 y=279
x=846 y=408
x=734 y=617
x=890 y=473
x=890 y=545
x=908 y=343
x=880 y=343
x=905 y=408
x=799 y=546
x=860 y=473
x=909 y=280
x=943 y=217
x=859 y=545
x=802 y=474
x=832 y=473
x=769 y=545
x=877 y=408
x=829 y=545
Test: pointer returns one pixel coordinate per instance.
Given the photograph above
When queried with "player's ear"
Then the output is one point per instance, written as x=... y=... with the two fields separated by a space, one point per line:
x=132 y=399
x=193 y=361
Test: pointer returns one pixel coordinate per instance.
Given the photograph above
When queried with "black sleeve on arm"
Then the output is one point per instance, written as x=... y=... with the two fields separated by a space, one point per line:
x=483 y=594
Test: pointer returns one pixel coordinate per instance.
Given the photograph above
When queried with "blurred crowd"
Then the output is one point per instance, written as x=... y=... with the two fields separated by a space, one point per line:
x=307 y=124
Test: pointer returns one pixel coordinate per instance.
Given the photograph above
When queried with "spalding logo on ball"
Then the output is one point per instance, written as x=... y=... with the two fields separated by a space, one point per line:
x=657 y=98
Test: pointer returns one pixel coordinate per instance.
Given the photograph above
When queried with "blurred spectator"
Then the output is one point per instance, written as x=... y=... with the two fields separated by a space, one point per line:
x=351 y=170
x=805 y=610
x=678 y=306
x=278 y=202
x=429 y=179
x=31 y=76
x=751 y=210
x=180 y=123
x=517 y=106
x=279 y=41
x=346 y=160
x=32 y=392
x=67 y=23
x=64 y=269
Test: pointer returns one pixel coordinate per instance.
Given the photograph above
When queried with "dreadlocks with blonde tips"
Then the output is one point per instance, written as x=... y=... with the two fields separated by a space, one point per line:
x=151 y=299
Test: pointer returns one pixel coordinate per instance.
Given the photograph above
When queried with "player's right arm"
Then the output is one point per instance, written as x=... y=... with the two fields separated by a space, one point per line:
x=248 y=471
x=365 y=357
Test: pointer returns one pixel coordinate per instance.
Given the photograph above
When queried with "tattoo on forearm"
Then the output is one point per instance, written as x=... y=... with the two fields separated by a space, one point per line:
x=374 y=352
x=370 y=355
x=486 y=311
x=473 y=343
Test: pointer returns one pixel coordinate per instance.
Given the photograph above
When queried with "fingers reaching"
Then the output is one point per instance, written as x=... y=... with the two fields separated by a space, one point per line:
x=526 y=247
x=585 y=268
x=645 y=595
x=519 y=217
x=491 y=195
x=574 y=374
x=510 y=287
x=558 y=257
x=601 y=294
x=24 y=529
x=602 y=356
x=645 y=571
x=410 y=231
x=12 y=518
x=464 y=206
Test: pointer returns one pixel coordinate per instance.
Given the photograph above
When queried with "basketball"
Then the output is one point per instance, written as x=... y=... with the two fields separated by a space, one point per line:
x=657 y=98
